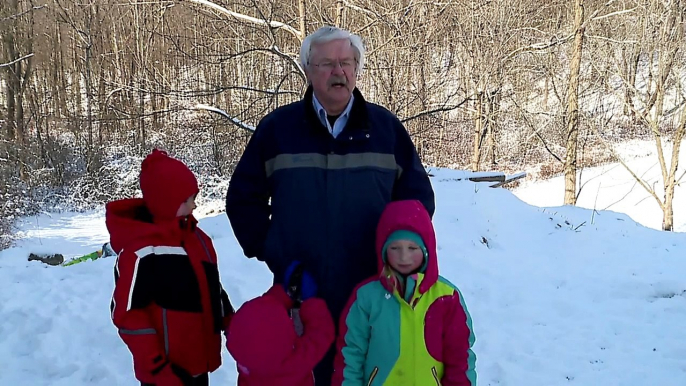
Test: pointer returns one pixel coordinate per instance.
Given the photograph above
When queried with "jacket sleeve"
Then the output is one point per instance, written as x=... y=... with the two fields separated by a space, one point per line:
x=247 y=199
x=130 y=312
x=319 y=333
x=352 y=344
x=413 y=183
x=459 y=359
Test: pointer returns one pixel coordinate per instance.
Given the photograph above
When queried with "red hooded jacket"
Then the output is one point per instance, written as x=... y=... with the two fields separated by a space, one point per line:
x=267 y=350
x=168 y=302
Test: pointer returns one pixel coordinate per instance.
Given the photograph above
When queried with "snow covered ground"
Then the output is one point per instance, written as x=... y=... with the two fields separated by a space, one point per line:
x=558 y=296
x=611 y=187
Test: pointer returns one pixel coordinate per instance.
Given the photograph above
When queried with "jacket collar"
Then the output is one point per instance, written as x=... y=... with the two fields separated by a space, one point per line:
x=358 y=119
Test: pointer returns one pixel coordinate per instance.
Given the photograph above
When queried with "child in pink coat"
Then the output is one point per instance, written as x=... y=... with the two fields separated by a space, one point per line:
x=265 y=343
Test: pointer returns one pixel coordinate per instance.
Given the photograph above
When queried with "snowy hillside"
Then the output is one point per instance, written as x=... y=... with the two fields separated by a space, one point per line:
x=611 y=187
x=558 y=296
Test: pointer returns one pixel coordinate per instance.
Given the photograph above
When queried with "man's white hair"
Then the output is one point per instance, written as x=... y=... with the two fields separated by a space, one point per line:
x=326 y=34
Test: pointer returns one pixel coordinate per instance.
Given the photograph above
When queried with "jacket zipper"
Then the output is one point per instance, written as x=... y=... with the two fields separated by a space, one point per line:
x=435 y=374
x=372 y=376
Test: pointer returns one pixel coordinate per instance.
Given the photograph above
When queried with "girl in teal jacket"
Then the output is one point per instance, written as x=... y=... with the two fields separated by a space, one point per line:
x=408 y=326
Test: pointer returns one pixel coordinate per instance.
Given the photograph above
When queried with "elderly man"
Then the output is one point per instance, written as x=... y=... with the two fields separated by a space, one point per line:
x=317 y=173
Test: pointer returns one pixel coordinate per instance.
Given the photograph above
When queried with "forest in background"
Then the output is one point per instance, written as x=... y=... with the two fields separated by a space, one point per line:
x=88 y=87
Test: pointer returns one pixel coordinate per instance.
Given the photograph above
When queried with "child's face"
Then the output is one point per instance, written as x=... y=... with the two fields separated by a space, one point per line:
x=186 y=208
x=404 y=256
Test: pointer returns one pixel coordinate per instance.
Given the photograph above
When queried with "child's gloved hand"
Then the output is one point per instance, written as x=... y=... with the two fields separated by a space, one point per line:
x=299 y=285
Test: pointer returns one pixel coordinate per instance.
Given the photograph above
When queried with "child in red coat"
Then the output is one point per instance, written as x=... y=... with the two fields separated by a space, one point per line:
x=264 y=336
x=168 y=304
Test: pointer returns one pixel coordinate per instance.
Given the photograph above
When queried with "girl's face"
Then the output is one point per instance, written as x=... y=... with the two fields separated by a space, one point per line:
x=187 y=207
x=404 y=256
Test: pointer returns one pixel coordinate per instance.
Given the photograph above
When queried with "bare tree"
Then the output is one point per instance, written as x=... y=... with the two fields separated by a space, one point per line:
x=507 y=84
x=648 y=104
x=572 y=115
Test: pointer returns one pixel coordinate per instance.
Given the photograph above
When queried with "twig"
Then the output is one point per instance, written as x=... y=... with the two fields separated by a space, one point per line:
x=628 y=169
x=436 y=110
x=616 y=13
x=294 y=62
x=16 y=60
x=545 y=46
x=23 y=13
x=538 y=47
x=223 y=113
x=536 y=132
x=595 y=204
x=363 y=10
x=271 y=24
x=682 y=176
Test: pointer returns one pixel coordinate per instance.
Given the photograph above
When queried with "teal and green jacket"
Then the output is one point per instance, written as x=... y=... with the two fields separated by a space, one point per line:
x=423 y=338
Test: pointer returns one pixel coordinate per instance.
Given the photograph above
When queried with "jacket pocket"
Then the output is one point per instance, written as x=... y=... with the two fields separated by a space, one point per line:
x=435 y=374
x=372 y=376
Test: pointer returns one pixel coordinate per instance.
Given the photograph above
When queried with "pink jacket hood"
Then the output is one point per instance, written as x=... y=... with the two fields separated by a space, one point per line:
x=409 y=215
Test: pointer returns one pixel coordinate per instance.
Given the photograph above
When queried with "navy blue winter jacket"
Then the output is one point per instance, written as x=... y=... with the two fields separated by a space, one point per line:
x=326 y=193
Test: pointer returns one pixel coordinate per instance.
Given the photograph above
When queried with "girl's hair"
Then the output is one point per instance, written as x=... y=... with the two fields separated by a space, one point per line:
x=388 y=275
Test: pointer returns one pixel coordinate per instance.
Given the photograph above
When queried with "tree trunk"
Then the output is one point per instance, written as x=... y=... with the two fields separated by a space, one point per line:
x=573 y=106
x=11 y=72
x=89 y=105
x=493 y=109
x=631 y=64
x=11 y=108
x=141 y=112
x=339 y=13
x=670 y=183
x=101 y=105
x=19 y=104
x=303 y=26
x=546 y=92
x=478 y=128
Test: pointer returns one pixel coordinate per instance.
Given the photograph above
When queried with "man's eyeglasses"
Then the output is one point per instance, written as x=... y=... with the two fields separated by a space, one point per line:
x=346 y=65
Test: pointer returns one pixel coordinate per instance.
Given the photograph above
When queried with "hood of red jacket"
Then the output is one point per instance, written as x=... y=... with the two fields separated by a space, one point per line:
x=129 y=222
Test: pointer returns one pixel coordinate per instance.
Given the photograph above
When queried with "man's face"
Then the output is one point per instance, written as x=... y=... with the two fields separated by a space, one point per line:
x=331 y=71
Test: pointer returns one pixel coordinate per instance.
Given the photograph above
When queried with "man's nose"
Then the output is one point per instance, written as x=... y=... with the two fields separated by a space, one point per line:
x=337 y=69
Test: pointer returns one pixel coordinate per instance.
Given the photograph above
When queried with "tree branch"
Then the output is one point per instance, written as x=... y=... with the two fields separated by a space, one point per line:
x=23 y=13
x=545 y=46
x=224 y=114
x=612 y=40
x=240 y=16
x=360 y=9
x=536 y=132
x=676 y=147
x=616 y=13
x=682 y=176
x=436 y=110
x=287 y=57
x=538 y=47
x=15 y=60
x=638 y=179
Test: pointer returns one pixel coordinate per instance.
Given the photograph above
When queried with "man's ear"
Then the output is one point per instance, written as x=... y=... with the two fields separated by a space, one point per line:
x=307 y=75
